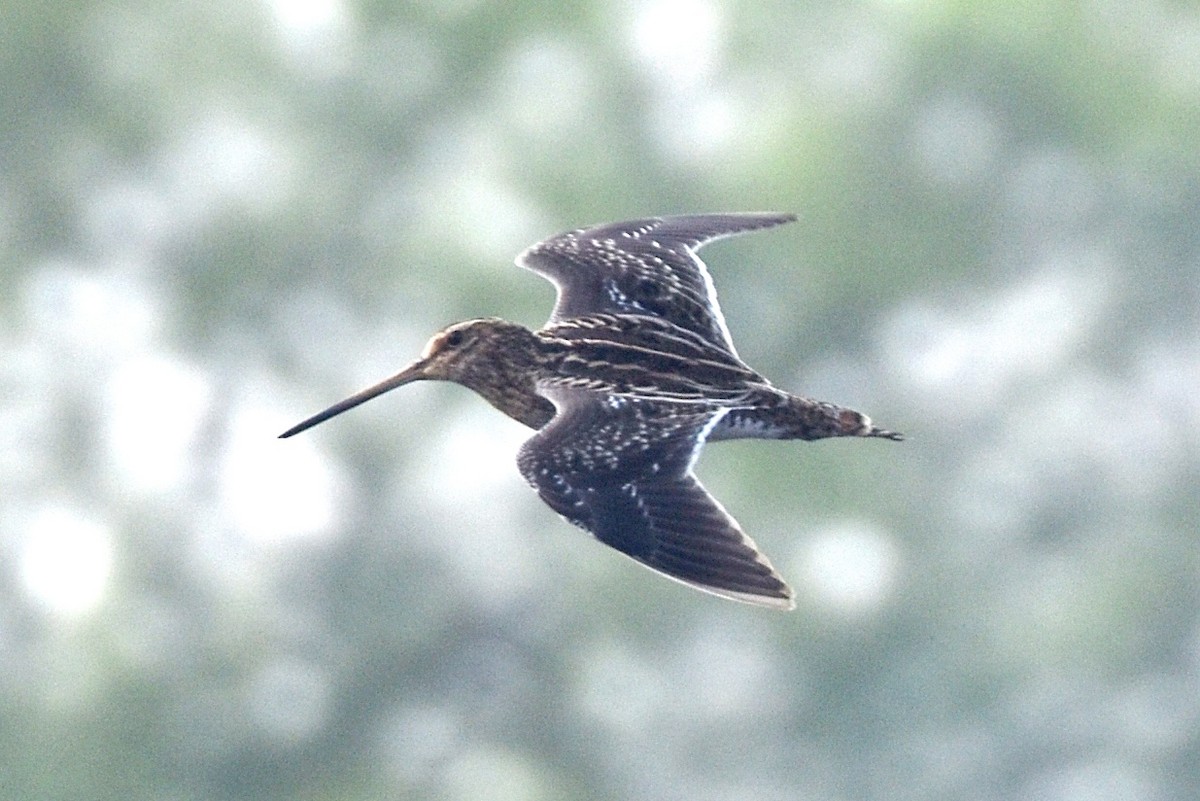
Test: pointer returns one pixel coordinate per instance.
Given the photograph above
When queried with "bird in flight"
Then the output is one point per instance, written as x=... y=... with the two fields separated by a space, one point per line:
x=634 y=371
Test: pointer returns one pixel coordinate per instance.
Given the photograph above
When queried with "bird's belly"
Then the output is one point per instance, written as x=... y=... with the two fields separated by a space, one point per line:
x=749 y=424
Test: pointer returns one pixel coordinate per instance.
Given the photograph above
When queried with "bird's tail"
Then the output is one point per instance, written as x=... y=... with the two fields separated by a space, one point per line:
x=796 y=417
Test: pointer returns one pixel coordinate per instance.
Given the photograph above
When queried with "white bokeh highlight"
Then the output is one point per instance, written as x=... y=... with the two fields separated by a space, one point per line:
x=850 y=568
x=274 y=491
x=153 y=409
x=967 y=355
x=677 y=42
x=66 y=560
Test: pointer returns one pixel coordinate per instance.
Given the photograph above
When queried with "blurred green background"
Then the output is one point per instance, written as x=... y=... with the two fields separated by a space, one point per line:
x=218 y=218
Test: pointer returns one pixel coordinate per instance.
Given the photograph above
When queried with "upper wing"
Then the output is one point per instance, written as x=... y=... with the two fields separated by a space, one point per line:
x=644 y=266
x=622 y=469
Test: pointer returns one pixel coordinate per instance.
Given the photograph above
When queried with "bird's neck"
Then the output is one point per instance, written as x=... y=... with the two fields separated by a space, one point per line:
x=506 y=377
x=520 y=402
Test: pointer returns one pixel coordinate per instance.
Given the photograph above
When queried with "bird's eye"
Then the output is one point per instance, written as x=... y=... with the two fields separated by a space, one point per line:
x=454 y=339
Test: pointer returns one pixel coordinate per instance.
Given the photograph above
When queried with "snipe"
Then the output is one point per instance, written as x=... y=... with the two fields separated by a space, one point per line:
x=633 y=373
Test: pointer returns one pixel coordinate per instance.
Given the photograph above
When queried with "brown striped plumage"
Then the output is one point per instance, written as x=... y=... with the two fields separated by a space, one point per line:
x=632 y=375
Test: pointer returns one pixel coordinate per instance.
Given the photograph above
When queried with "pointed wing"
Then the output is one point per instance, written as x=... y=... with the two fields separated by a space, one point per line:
x=644 y=266
x=622 y=469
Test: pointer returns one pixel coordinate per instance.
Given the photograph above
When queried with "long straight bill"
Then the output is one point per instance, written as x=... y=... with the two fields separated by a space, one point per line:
x=409 y=374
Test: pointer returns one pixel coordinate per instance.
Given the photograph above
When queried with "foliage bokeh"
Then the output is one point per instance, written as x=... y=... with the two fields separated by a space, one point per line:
x=215 y=219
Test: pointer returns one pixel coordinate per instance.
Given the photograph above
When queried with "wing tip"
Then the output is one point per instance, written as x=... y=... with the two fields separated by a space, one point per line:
x=778 y=596
x=761 y=219
x=784 y=602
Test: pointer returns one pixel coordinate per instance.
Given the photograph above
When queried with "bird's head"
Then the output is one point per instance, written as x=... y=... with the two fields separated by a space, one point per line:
x=469 y=353
x=460 y=350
